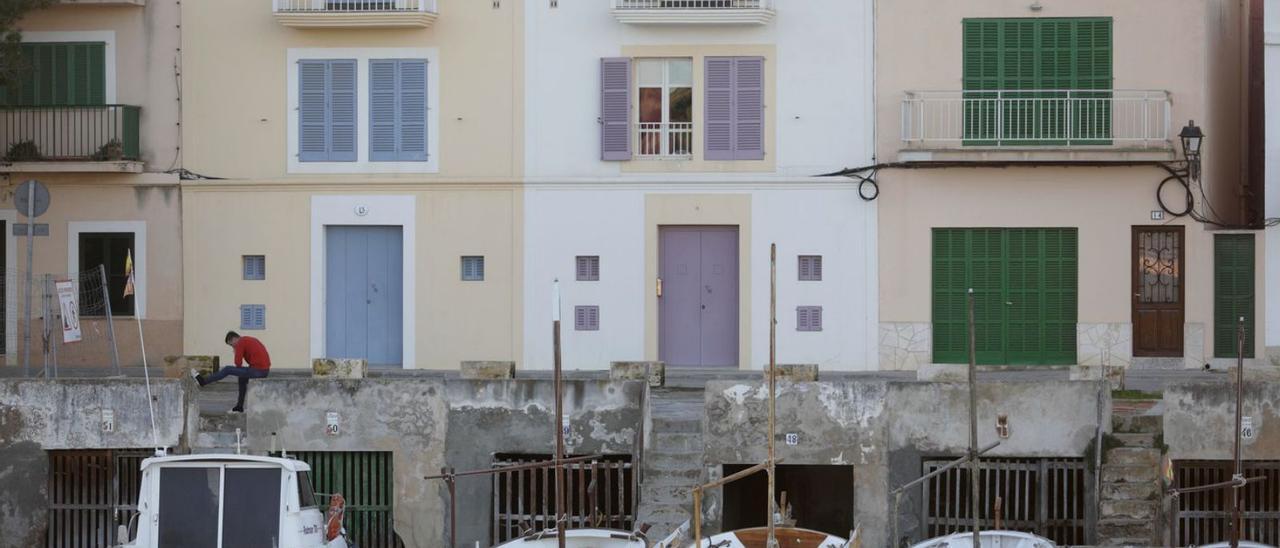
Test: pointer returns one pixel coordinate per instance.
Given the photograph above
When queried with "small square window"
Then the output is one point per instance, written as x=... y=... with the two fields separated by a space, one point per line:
x=586 y=318
x=255 y=267
x=473 y=268
x=588 y=268
x=253 y=316
x=808 y=318
x=811 y=268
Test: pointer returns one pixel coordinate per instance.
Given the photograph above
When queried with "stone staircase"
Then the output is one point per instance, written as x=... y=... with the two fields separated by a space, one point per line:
x=217 y=425
x=672 y=460
x=1131 y=498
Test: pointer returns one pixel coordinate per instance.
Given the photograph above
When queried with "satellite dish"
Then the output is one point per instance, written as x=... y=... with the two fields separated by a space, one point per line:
x=23 y=193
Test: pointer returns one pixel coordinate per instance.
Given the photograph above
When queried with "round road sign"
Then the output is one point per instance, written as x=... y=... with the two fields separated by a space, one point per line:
x=22 y=195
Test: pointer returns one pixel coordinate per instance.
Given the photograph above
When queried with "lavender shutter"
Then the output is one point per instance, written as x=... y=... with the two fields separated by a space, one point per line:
x=384 y=112
x=615 y=108
x=748 y=108
x=718 y=105
x=342 y=110
x=313 y=112
x=413 y=110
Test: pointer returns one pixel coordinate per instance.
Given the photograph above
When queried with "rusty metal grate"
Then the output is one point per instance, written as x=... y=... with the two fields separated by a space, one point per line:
x=1205 y=517
x=598 y=494
x=1047 y=497
x=91 y=492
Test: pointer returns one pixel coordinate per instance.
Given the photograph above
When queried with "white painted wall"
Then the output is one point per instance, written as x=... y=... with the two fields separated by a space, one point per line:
x=563 y=220
x=1271 y=23
x=824 y=70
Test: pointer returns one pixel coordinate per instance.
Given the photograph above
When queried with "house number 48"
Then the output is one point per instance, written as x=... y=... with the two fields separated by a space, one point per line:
x=793 y=438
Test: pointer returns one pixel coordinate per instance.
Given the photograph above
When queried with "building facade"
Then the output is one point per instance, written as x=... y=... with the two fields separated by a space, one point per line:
x=95 y=117
x=1272 y=84
x=362 y=196
x=1033 y=142
x=666 y=148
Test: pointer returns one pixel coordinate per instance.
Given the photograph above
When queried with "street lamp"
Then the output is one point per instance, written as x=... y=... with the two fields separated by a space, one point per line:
x=1192 y=138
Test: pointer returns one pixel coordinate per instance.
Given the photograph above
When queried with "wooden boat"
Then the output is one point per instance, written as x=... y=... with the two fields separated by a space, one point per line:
x=580 y=538
x=788 y=537
x=989 y=539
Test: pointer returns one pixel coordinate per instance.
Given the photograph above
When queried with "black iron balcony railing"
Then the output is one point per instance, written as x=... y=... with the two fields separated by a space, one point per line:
x=94 y=133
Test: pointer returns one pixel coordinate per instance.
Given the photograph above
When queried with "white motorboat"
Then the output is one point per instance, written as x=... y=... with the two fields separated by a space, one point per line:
x=1243 y=544
x=580 y=538
x=231 y=501
x=989 y=539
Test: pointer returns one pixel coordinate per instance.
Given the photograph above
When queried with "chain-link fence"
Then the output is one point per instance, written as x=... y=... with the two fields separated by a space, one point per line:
x=61 y=319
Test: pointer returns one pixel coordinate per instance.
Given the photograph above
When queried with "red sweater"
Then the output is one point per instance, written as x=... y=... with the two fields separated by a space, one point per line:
x=249 y=349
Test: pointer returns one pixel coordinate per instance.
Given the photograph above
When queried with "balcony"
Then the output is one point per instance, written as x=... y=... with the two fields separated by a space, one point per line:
x=693 y=12
x=331 y=14
x=1037 y=125
x=99 y=138
x=670 y=140
x=107 y=2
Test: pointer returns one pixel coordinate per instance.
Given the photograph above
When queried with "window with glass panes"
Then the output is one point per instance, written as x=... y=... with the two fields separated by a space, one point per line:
x=665 y=90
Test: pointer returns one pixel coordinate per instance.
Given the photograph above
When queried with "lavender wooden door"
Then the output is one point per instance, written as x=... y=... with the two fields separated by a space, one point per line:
x=698 y=310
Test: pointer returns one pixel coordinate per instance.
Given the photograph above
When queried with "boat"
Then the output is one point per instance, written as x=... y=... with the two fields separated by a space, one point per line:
x=1243 y=544
x=231 y=501
x=788 y=537
x=989 y=539
x=595 y=538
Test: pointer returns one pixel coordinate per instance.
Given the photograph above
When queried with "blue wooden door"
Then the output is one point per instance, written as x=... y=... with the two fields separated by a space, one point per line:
x=363 y=293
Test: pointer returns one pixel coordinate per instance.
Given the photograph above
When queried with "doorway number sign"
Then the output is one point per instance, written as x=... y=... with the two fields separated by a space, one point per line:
x=792 y=438
x=108 y=420
x=331 y=423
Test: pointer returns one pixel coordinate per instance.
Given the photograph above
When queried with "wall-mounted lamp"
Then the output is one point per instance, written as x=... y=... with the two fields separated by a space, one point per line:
x=1192 y=139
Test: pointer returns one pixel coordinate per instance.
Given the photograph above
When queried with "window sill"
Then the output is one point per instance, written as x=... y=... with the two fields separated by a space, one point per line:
x=1037 y=154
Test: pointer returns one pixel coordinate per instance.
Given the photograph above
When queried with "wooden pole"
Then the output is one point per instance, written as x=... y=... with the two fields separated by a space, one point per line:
x=973 y=422
x=559 y=455
x=772 y=541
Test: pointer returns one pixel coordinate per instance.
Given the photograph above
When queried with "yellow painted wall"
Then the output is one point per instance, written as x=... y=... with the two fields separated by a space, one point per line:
x=235 y=83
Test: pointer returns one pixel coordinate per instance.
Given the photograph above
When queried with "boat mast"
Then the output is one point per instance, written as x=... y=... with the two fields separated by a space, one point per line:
x=773 y=376
x=559 y=426
x=973 y=424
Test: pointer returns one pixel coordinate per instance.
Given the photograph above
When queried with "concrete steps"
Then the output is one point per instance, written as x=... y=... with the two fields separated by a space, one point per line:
x=1130 y=498
x=673 y=463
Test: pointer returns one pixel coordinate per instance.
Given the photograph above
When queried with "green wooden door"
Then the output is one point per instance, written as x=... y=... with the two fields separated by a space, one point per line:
x=365 y=479
x=1046 y=71
x=1025 y=300
x=1233 y=267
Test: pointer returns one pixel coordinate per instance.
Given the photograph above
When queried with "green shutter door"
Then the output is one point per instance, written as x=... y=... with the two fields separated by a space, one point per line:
x=62 y=73
x=1232 y=293
x=1025 y=298
x=365 y=479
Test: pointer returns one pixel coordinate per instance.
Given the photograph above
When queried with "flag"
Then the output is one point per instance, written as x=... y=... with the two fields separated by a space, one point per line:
x=128 y=272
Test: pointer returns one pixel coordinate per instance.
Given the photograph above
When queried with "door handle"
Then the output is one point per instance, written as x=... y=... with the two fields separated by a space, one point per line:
x=659 y=288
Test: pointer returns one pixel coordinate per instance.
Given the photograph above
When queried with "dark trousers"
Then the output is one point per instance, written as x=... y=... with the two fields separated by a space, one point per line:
x=243 y=374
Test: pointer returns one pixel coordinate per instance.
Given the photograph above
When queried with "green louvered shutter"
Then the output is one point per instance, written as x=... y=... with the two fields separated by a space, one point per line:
x=981 y=73
x=1025 y=302
x=950 y=335
x=1061 y=254
x=62 y=73
x=1233 y=268
x=987 y=267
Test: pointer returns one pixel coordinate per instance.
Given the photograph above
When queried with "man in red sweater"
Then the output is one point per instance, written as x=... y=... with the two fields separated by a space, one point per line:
x=247 y=349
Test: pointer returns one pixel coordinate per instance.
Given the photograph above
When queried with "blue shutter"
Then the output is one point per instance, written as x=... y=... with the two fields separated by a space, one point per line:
x=615 y=108
x=383 y=112
x=719 y=108
x=342 y=110
x=255 y=267
x=413 y=110
x=313 y=113
x=253 y=316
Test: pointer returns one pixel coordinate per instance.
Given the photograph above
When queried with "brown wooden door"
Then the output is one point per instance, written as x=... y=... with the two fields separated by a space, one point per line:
x=1159 y=259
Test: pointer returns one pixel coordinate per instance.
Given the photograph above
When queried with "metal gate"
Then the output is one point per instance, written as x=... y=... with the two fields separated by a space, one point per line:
x=597 y=494
x=1205 y=517
x=91 y=493
x=365 y=479
x=1047 y=497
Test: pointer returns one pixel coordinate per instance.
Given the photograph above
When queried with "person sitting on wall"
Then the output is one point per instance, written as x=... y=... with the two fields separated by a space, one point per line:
x=247 y=349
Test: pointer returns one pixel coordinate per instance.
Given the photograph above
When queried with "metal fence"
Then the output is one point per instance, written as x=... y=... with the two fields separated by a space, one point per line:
x=69 y=133
x=91 y=493
x=1205 y=517
x=365 y=479
x=1047 y=497
x=48 y=348
x=1037 y=118
x=692 y=4
x=597 y=494
x=349 y=6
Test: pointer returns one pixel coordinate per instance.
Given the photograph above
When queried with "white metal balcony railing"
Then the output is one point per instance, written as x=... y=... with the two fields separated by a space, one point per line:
x=354 y=6
x=1037 y=118
x=692 y=4
x=669 y=140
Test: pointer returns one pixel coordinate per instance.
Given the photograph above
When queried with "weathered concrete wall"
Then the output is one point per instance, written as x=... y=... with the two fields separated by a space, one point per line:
x=886 y=429
x=518 y=416
x=836 y=422
x=1199 y=420
x=40 y=415
x=403 y=416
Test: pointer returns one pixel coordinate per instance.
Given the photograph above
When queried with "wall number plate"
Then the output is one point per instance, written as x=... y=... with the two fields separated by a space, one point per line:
x=792 y=438
x=108 y=420
x=331 y=423
x=1157 y=215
